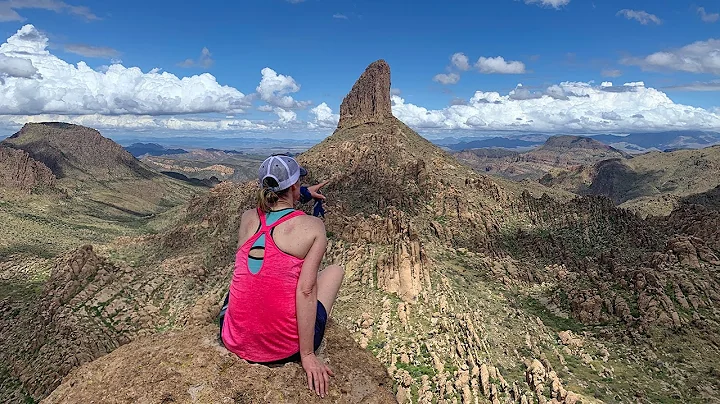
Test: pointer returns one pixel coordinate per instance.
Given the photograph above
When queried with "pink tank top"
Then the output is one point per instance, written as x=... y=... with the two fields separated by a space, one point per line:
x=261 y=322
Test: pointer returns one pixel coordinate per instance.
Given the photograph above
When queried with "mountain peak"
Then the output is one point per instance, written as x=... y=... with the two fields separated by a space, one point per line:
x=574 y=142
x=76 y=151
x=369 y=99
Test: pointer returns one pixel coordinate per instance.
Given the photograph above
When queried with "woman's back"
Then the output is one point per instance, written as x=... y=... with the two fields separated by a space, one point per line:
x=260 y=323
x=278 y=304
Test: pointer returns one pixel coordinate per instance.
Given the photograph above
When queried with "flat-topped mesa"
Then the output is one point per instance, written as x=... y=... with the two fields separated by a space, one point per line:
x=369 y=99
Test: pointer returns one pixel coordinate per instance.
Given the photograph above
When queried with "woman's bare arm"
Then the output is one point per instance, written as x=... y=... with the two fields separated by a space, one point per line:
x=243 y=233
x=306 y=308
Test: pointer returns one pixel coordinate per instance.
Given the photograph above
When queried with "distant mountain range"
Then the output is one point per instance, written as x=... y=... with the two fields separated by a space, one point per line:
x=493 y=142
x=151 y=149
x=663 y=141
x=247 y=145
x=633 y=143
x=563 y=152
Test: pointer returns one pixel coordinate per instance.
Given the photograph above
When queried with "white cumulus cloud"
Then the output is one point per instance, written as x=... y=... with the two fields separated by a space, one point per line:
x=708 y=17
x=285 y=115
x=274 y=89
x=450 y=78
x=323 y=117
x=569 y=107
x=549 y=3
x=698 y=57
x=499 y=65
x=141 y=122
x=63 y=88
x=641 y=16
x=460 y=61
x=16 y=67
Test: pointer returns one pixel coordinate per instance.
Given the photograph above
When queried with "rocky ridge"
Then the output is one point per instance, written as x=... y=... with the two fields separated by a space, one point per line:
x=20 y=171
x=76 y=151
x=652 y=183
x=558 y=154
x=192 y=366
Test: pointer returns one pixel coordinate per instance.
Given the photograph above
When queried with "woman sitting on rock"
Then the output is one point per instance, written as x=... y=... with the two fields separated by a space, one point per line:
x=279 y=303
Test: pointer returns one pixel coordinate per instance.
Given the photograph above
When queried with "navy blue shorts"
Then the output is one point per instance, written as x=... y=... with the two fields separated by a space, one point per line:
x=320 y=323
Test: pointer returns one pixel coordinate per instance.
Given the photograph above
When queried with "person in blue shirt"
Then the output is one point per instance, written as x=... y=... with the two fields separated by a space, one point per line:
x=311 y=193
x=308 y=194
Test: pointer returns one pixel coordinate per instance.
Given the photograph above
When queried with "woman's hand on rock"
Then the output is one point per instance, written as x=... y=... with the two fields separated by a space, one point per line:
x=318 y=374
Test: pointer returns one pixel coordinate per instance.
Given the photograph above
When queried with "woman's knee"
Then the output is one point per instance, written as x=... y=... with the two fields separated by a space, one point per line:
x=329 y=281
x=336 y=270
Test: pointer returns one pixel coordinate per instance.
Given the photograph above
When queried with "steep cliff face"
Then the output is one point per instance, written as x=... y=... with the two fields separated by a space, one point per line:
x=20 y=171
x=389 y=184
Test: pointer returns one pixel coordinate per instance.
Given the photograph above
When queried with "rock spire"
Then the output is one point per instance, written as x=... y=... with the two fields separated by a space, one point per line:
x=369 y=99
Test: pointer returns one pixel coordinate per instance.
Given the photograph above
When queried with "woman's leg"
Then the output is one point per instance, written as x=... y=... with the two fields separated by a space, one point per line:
x=329 y=281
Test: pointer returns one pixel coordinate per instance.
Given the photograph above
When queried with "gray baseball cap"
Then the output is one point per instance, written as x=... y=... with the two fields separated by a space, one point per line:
x=283 y=169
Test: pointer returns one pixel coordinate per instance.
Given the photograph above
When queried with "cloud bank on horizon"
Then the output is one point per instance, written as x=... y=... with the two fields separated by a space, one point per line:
x=39 y=86
x=569 y=107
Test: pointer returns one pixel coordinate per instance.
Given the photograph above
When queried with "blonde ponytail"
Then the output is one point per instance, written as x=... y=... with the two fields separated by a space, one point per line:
x=266 y=198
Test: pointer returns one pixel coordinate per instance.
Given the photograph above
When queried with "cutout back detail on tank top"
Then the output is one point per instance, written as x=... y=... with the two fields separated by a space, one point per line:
x=256 y=254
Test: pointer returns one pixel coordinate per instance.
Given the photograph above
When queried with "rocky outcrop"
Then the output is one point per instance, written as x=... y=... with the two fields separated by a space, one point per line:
x=20 y=171
x=699 y=216
x=91 y=306
x=191 y=366
x=66 y=327
x=369 y=99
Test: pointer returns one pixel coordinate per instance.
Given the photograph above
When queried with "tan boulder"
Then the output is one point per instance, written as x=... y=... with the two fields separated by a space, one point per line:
x=191 y=366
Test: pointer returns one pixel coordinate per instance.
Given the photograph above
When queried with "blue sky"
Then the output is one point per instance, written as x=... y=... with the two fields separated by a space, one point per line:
x=317 y=48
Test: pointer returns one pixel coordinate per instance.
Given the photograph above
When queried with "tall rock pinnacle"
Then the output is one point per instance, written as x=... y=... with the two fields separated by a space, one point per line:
x=369 y=99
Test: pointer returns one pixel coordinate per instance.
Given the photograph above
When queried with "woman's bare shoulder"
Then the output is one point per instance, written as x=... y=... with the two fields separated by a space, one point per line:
x=248 y=217
x=312 y=223
x=249 y=213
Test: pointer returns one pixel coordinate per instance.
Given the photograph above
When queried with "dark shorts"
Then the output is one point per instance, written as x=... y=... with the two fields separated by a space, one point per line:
x=320 y=323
